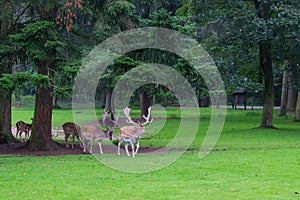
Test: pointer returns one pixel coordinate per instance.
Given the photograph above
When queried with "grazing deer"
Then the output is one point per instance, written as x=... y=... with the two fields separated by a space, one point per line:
x=95 y=133
x=131 y=134
x=71 y=128
x=23 y=127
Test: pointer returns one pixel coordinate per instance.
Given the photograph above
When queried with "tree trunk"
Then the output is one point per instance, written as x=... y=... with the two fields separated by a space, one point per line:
x=292 y=99
x=7 y=11
x=292 y=90
x=5 y=110
x=145 y=103
x=166 y=100
x=266 y=65
x=17 y=97
x=109 y=101
x=55 y=103
x=284 y=94
x=41 y=136
x=297 y=113
x=154 y=100
x=103 y=101
x=265 y=55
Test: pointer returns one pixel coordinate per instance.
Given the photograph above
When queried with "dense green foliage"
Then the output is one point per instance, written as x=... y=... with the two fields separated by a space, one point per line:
x=231 y=32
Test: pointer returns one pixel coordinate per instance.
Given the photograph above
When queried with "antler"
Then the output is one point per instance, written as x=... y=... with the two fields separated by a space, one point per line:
x=127 y=115
x=148 y=117
x=129 y=120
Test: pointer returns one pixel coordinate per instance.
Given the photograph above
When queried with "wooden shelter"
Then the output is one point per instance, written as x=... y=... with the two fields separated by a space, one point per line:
x=239 y=97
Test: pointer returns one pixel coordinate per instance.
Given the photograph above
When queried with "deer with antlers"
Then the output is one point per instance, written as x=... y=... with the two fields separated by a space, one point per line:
x=131 y=134
x=23 y=127
x=95 y=133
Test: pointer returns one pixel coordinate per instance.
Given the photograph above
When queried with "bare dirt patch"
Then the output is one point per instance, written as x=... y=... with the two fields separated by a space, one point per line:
x=18 y=150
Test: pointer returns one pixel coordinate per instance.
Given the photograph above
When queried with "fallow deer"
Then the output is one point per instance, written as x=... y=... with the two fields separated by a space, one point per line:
x=71 y=128
x=95 y=133
x=131 y=134
x=23 y=127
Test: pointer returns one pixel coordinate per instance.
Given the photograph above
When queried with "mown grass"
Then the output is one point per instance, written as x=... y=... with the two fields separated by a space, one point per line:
x=246 y=163
x=234 y=174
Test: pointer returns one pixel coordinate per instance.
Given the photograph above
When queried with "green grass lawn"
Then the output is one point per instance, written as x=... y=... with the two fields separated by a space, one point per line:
x=246 y=163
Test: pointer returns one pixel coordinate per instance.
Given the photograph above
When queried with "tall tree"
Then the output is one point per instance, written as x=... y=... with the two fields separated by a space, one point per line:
x=284 y=91
x=292 y=86
x=264 y=13
x=39 y=42
x=7 y=26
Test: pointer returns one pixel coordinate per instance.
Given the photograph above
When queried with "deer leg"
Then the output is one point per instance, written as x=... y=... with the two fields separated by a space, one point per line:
x=26 y=135
x=132 y=147
x=66 y=139
x=73 y=136
x=137 y=146
x=91 y=149
x=79 y=141
x=119 y=145
x=126 y=148
x=18 y=129
x=17 y=133
x=100 y=147
x=84 y=146
x=21 y=136
x=25 y=132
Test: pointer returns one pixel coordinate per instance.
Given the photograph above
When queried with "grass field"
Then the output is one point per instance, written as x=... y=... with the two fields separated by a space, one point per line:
x=246 y=163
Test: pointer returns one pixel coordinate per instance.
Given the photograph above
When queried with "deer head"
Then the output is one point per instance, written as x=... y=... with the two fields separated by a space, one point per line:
x=109 y=129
